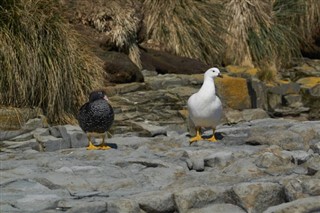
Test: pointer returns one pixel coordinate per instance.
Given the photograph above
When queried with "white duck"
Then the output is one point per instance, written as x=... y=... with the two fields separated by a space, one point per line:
x=205 y=108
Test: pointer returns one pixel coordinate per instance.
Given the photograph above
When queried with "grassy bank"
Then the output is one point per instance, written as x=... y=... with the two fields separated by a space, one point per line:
x=43 y=62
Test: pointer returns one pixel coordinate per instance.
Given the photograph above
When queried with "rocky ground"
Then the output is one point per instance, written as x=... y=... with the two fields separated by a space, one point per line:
x=265 y=165
x=259 y=164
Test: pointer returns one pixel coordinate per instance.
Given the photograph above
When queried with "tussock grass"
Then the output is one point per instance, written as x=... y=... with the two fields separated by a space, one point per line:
x=259 y=34
x=117 y=20
x=42 y=62
x=247 y=15
x=309 y=23
x=186 y=28
x=263 y=33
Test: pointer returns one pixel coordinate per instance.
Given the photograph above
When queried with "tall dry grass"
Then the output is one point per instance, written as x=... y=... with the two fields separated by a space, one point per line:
x=263 y=34
x=266 y=34
x=43 y=62
x=187 y=28
x=309 y=23
x=117 y=22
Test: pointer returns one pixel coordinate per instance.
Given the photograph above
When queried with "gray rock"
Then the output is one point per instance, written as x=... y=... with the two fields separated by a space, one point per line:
x=308 y=130
x=293 y=189
x=274 y=101
x=316 y=147
x=254 y=114
x=302 y=187
x=156 y=201
x=30 y=135
x=293 y=100
x=273 y=159
x=197 y=158
x=78 y=140
x=257 y=197
x=258 y=94
x=22 y=144
x=8 y=134
x=299 y=156
x=55 y=132
x=310 y=204
x=86 y=207
x=311 y=186
x=29 y=126
x=43 y=201
x=315 y=91
x=153 y=130
x=285 y=88
x=236 y=116
x=218 y=208
x=284 y=138
x=122 y=205
x=289 y=111
x=313 y=165
x=29 y=193
x=197 y=197
x=10 y=209
x=219 y=159
x=50 y=143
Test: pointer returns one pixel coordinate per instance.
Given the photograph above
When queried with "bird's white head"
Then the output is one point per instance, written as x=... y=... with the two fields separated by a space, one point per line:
x=212 y=73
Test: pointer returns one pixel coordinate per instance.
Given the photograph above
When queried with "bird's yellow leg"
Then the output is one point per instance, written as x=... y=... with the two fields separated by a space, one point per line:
x=91 y=146
x=197 y=137
x=213 y=139
x=103 y=146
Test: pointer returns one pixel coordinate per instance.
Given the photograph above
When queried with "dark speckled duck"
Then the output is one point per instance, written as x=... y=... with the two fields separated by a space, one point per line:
x=96 y=117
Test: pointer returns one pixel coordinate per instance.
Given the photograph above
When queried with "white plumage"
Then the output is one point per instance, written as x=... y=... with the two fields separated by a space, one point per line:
x=205 y=108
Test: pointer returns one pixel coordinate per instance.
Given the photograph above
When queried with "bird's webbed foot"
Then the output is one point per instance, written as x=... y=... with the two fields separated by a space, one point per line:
x=197 y=137
x=92 y=147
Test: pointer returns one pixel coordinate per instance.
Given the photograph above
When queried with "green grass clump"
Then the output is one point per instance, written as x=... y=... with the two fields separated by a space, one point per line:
x=42 y=60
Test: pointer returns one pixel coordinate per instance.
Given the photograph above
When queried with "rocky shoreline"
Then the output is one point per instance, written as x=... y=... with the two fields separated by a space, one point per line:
x=259 y=164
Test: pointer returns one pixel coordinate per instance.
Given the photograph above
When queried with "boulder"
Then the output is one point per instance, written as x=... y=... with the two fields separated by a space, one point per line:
x=122 y=205
x=155 y=201
x=309 y=204
x=311 y=95
x=303 y=187
x=75 y=206
x=258 y=93
x=28 y=127
x=242 y=71
x=285 y=88
x=233 y=92
x=197 y=197
x=236 y=116
x=218 y=208
x=258 y=196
